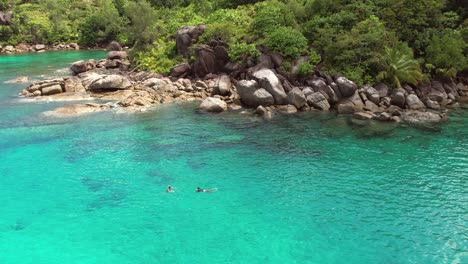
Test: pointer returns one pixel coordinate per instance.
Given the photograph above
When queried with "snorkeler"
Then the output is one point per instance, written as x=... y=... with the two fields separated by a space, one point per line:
x=169 y=189
x=203 y=190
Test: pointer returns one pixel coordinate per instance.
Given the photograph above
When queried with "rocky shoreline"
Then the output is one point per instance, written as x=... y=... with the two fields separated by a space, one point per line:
x=25 y=48
x=261 y=89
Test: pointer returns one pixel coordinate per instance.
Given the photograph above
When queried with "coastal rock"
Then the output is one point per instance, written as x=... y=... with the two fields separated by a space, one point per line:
x=372 y=94
x=287 y=109
x=413 y=102
x=398 y=98
x=382 y=90
x=212 y=104
x=50 y=90
x=205 y=61
x=317 y=84
x=46 y=87
x=347 y=87
x=252 y=95
x=73 y=84
x=137 y=99
x=270 y=82
x=432 y=104
x=180 y=70
x=114 y=46
x=185 y=37
x=318 y=101
x=222 y=85
x=110 y=82
x=117 y=55
x=264 y=61
x=9 y=49
x=351 y=104
x=363 y=115
x=370 y=106
x=297 y=98
x=74 y=46
x=82 y=66
x=39 y=47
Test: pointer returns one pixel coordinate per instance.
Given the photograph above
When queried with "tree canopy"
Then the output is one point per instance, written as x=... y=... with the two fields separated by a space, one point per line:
x=349 y=36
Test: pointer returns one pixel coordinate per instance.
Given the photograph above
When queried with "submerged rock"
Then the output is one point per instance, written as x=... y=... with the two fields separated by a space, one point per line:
x=418 y=117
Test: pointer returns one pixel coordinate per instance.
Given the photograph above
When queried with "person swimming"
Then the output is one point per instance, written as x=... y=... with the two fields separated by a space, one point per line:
x=203 y=190
x=169 y=189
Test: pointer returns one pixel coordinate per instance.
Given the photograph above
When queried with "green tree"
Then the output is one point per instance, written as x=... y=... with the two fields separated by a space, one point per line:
x=399 y=66
x=141 y=29
x=446 y=53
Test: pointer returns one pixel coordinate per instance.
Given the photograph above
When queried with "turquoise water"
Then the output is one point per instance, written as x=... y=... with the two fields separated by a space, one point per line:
x=309 y=188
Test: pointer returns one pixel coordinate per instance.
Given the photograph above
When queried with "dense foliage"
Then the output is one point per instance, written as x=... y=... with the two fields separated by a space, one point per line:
x=359 y=38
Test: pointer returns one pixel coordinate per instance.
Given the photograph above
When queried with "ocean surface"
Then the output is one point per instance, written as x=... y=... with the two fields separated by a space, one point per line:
x=306 y=188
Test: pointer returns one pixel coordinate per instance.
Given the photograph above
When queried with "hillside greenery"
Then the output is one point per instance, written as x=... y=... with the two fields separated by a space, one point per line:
x=358 y=38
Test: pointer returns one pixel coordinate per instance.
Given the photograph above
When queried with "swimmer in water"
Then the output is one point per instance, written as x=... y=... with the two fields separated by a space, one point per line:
x=169 y=189
x=203 y=190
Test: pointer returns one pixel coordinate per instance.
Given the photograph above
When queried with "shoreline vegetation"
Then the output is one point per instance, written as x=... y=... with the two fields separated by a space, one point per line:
x=384 y=60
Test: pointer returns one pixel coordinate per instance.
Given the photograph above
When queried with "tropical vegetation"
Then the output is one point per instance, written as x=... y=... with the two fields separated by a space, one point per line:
x=396 y=41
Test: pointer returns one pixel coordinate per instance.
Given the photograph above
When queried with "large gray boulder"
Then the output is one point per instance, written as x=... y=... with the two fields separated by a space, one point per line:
x=110 y=82
x=382 y=89
x=215 y=105
x=114 y=46
x=318 y=101
x=297 y=98
x=270 y=82
x=372 y=94
x=398 y=98
x=350 y=105
x=117 y=55
x=180 y=70
x=347 y=88
x=317 y=84
x=223 y=85
x=82 y=66
x=252 y=95
x=413 y=102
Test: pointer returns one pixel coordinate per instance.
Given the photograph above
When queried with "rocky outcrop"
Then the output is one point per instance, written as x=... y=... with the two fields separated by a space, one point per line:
x=22 y=48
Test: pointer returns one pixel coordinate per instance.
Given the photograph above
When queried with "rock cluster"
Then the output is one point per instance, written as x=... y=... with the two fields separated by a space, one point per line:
x=23 y=48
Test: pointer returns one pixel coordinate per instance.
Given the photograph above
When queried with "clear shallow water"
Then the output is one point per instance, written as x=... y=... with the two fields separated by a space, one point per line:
x=311 y=188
